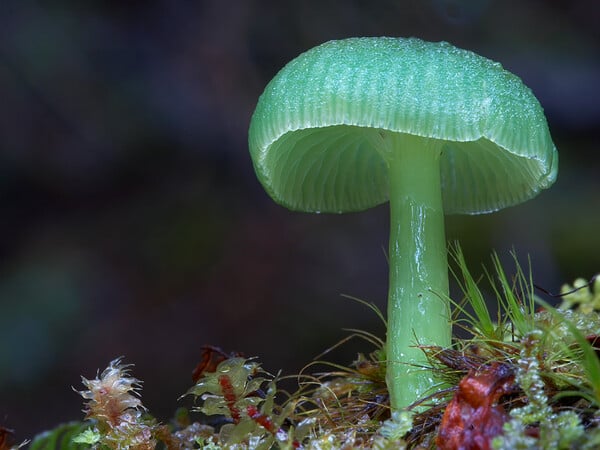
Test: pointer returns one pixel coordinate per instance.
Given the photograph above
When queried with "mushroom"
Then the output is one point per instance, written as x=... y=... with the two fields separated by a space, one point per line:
x=431 y=128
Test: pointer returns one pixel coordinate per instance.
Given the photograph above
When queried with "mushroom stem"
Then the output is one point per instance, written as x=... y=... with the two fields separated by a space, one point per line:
x=418 y=310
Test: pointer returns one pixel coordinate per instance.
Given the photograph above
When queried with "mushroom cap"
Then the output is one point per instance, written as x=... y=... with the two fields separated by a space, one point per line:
x=313 y=136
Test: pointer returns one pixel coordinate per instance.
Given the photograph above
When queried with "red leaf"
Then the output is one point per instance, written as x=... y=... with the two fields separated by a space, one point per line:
x=473 y=417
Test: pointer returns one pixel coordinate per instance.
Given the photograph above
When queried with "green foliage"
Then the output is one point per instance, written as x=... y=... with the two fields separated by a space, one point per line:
x=89 y=436
x=582 y=296
x=62 y=437
x=577 y=360
x=243 y=393
x=560 y=430
x=243 y=377
x=556 y=367
x=479 y=322
x=516 y=300
x=392 y=431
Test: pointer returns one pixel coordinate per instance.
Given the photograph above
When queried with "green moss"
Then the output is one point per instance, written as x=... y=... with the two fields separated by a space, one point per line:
x=554 y=402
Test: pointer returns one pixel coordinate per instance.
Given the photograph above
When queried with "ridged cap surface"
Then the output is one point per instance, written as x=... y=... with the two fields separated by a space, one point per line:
x=313 y=136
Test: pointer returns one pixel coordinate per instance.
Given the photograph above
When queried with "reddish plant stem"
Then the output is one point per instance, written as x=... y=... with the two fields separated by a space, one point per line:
x=230 y=397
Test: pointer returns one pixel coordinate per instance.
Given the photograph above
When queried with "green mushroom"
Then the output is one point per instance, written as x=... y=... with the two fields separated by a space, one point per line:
x=431 y=128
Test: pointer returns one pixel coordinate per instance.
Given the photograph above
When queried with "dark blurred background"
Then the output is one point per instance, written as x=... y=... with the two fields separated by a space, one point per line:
x=131 y=222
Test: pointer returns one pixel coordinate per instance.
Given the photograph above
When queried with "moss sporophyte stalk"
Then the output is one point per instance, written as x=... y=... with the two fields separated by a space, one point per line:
x=432 y=129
